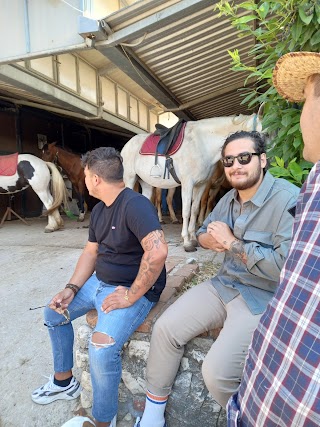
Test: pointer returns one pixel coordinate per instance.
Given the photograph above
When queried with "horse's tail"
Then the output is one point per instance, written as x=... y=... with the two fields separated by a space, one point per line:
x=59 y=189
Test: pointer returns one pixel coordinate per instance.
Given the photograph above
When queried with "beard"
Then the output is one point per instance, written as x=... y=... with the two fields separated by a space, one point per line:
x=251 y=180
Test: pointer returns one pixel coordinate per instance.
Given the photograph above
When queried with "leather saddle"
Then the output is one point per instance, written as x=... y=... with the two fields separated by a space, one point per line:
x=168 y=138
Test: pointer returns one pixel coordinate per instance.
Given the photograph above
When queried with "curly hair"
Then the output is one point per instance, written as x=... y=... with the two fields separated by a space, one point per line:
x=257 y=138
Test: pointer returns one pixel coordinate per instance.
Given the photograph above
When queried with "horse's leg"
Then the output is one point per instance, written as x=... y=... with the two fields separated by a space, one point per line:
x=186 y=194
x=130 y=178
x=204 y=203
x=58 y=219
x=212 y=200
x=147 y=189
x=81 y=189
x=81 y=208
x=80 y=204
x=54 y=219
x=197 y=194
x=170 y=195
x=157 y=203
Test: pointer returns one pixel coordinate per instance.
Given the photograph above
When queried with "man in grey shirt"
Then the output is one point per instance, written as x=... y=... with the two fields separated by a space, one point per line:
x=252 y=225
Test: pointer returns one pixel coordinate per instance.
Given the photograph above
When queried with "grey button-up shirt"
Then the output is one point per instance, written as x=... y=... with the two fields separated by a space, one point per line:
x=264 y=226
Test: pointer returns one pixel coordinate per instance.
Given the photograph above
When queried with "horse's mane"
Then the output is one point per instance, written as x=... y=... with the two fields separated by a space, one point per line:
x=67 y=149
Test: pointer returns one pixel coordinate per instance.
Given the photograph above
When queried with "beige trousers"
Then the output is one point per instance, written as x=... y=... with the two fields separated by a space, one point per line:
x=197 y=311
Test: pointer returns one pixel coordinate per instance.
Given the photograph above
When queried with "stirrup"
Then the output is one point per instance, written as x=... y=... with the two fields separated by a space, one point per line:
x=155 y=171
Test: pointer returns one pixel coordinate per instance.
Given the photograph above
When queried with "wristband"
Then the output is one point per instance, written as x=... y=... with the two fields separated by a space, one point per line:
x=74 y=288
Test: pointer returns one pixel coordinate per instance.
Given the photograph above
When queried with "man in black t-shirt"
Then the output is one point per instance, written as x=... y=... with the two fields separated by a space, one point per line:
x=127 y=251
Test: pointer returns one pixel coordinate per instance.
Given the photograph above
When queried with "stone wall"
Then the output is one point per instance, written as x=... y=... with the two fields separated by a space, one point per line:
x=190 y=403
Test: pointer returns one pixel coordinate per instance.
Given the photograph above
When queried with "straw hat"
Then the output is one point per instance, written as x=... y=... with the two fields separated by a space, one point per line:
x=292 y=71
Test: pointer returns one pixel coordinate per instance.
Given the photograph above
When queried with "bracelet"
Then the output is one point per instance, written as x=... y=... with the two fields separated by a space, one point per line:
x=126 y=296
x=74 y=288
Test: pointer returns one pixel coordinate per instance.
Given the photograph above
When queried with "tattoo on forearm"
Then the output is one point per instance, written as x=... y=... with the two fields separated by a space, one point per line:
x=147 y=274
x=237 y=249
x=149 y=268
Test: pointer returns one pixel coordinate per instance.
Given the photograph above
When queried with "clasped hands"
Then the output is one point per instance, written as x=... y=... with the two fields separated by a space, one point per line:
x=221 y=235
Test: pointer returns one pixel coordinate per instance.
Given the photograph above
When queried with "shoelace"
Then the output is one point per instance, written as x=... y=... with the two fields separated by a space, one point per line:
x=50 y=384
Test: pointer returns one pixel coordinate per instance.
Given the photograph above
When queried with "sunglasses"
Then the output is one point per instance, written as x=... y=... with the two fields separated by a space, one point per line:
x=243 y=159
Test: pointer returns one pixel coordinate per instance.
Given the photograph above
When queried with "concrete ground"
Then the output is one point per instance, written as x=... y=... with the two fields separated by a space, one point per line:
x=34 y=267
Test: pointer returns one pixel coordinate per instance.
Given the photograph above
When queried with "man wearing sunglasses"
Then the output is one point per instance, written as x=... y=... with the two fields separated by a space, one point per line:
x=281 y=378
x=252 y=226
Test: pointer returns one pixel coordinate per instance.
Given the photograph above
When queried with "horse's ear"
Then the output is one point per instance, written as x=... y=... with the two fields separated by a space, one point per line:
x=261 y=111
x=52 y=143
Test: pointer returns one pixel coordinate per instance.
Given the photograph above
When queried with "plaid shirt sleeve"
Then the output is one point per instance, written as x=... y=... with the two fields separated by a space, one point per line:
x=281 y=380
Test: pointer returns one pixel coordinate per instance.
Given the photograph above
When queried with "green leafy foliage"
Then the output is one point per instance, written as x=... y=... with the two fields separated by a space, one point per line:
x=293 y=172
x=279 y=27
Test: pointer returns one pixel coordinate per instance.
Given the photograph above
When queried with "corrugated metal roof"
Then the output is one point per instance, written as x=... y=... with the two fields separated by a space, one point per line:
x=172 y=54
x=188 y=55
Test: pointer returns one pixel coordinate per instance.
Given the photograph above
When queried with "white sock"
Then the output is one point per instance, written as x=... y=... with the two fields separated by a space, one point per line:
x=153 y=415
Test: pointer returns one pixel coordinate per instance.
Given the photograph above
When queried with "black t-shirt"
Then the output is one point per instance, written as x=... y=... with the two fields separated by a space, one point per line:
x=119 y=229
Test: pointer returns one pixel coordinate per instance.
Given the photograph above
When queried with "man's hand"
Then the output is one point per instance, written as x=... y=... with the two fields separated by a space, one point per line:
x=60 y=302
x=221 y=232
x=206 y=241
x=118 y=299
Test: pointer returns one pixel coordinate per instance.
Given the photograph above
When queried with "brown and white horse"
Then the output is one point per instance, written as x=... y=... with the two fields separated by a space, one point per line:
x=35 y=173
x=194 y=164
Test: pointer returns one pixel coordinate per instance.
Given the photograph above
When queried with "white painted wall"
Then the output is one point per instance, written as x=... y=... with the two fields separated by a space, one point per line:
x=29 y=26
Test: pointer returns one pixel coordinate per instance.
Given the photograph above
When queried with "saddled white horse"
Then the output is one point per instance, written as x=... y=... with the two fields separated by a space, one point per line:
x=194 y=163
x=34 y=172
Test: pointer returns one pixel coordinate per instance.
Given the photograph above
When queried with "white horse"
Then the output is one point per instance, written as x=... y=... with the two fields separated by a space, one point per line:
x=194 y=163
x=34 y=172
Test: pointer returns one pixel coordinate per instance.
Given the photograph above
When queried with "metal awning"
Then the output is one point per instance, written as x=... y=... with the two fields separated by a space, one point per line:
x=171 y=54
x=178 y=52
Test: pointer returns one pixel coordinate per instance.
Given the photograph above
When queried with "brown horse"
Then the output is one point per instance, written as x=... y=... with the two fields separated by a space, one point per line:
x=71 y=164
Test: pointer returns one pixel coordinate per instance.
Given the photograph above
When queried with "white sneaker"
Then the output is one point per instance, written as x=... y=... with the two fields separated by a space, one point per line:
x=79 y=422
x=137 y=423
x=50 y=392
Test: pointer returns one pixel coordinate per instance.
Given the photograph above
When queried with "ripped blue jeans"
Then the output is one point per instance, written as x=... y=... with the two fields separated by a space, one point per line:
x=105 y=360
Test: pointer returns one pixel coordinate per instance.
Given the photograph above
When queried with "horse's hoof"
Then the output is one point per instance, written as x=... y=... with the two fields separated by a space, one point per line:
x=48 y=230
x=190 y=248
x=194 y=243
x=175 y=222
x=81 y=217
x=162 y=222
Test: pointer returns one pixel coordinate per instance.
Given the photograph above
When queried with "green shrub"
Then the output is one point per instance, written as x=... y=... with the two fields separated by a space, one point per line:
x=278 y=27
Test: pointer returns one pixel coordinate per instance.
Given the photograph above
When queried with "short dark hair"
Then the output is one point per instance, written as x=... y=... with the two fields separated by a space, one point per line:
x=259 y=140
x=105 y=162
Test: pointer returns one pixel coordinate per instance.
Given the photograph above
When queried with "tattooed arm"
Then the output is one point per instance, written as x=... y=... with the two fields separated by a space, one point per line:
x=152 y=262
x=237 y=248
x=223 y=235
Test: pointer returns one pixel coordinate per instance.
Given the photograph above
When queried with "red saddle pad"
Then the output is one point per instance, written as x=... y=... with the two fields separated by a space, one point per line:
x=8 y=164
x=150 y=144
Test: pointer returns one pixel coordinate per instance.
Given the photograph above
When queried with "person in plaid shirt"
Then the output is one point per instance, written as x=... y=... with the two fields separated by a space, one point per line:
x=281 y=380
